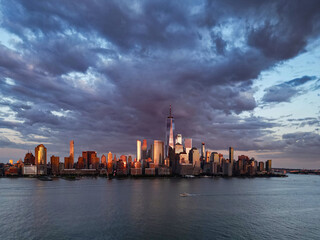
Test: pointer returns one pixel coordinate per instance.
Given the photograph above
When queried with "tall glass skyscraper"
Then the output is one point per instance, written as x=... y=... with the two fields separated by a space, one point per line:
x=169 y=134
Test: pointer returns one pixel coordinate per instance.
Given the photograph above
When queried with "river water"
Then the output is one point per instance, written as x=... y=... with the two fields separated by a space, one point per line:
x=217 y=208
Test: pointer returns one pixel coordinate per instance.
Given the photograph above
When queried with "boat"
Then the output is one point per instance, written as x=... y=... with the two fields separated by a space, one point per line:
x=71 y=178
x=45 y=178
x=185 y=194
x=189 y=176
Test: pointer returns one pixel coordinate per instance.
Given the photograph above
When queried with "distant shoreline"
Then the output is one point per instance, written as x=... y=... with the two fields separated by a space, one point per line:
x=77 y=177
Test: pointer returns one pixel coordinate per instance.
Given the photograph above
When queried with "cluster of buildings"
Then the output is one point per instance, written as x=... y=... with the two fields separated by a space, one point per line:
x=174 y=156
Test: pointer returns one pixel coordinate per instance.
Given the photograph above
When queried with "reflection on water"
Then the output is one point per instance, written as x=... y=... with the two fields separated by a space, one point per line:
x=98 y=208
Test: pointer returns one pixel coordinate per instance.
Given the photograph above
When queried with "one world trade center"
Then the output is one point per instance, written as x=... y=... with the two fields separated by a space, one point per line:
x=169 y=134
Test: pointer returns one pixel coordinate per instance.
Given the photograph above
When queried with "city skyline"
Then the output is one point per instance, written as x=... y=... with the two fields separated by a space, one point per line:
x=242 y=74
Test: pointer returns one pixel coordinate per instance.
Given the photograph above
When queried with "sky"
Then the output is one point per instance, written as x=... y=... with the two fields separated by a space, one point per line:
x=242 y=73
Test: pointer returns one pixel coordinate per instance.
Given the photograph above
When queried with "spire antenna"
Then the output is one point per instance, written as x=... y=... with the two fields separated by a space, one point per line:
x=170 y=110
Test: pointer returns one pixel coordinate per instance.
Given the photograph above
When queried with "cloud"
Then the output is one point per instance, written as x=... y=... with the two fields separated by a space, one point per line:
x=284 y=92
x=298 y=142
x=105 y=72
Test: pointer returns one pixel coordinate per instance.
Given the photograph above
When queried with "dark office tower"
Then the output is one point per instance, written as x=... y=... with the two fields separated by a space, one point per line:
x=231 y=155
x=54 y=165
x=29 y=159
x=129 y=160
x=261 y=166
x=41 y=159
x=203 y=151
x=169 y=134
x=144 y=149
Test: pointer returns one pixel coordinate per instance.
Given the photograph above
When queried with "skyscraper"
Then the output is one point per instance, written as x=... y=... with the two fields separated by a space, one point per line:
x=144 y=149
x=194 y=157
x=89 y=158
x=109 y=157
x=72 y=152
x=41 y=159
x=269 y=165
x=69 y=161
x=208 y=154
x=203 y=151
x=138 y=150
x=104 y=161
x=231 y=155
x=169 y=134
x=54 y=165
x=158 y=152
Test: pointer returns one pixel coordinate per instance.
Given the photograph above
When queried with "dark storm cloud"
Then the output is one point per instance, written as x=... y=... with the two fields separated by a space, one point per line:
x=284 y=92
x=104 y=72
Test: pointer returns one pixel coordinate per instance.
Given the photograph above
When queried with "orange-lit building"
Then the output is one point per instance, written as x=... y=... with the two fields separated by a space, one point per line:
x=158 y=152
x=95 y=162
x=41 y=159
x=68 y=162
x=110 y=168
x=123 y=158
x=80 y=164
x=11 y=171
x=121 y=168
x=88 y=157
x=55 y=164
x=104 y=161
x=144 y=149
x=109 y=157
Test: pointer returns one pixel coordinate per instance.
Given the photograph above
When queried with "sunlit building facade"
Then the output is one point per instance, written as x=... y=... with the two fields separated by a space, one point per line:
x=71 y=152
x=54 y=160
x=158 y=152
x=268 y=165
x=109 y=157
x=203 y=150
x=144 y=149
x=138 y=150
x=104 y=161
x=89 y=158
x=231 y=156
x=41 y=159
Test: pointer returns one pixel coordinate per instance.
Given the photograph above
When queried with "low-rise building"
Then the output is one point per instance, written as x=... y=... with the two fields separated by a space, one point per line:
x=150 y=171
x=136 y=171
x=29 y=170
